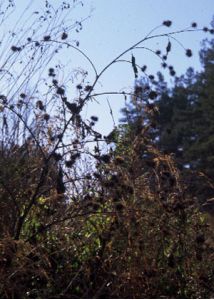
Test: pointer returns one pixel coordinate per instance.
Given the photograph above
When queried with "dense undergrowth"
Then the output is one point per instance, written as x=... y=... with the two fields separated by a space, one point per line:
x=114 y=220
x=138 y=236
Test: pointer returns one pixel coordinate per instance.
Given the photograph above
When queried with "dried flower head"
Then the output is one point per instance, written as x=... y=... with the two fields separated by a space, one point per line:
x=143 y=69
x=64 y=36
x=16 y=49
x=188 y=52
x=40 y=105
x=79 y=86
x=172 y=72
x=164 y=65
x=60 y=91
x=22 y=95
x=46 y=117
x=167 y=23
x=88 y=88
x=152 y=95
x=47 y=38
x=94 y=118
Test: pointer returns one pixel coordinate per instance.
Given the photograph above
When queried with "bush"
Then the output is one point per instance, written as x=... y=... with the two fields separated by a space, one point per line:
x=81 y=222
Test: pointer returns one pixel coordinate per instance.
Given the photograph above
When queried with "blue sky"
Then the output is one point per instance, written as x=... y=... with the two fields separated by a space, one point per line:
x=114 y=25
x=117 y=24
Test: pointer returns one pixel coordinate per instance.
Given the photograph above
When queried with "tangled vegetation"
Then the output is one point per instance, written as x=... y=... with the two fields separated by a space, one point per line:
x=111 y=220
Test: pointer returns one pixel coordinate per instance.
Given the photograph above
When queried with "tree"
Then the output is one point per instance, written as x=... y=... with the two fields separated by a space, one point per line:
x=186 y=120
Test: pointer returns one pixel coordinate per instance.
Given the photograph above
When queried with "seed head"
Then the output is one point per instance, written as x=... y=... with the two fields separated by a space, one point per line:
x=188 y=52
x=47 y=38
x=143 y=69
x=64 y=36
x=167 y=23
x=60 y=91
x=46 y=117
x=152 y=95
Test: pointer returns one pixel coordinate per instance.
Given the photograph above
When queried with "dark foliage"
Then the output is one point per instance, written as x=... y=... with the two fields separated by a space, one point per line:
x=113 y=220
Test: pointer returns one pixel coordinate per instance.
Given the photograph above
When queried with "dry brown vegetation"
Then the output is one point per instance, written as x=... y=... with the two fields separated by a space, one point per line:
x=79 y=221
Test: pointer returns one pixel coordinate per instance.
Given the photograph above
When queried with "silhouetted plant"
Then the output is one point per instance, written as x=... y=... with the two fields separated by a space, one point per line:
x=76 y=221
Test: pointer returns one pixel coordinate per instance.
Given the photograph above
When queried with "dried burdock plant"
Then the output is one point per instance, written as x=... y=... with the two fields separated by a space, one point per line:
x=85 y=215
